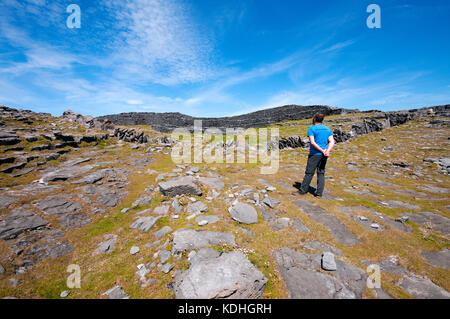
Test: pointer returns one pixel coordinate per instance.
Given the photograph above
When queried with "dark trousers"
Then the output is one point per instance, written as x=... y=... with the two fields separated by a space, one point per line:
x=315 y=162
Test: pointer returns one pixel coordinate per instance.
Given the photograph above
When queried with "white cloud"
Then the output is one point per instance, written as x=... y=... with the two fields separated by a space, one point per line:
x=338 y=46
x=39 y=56
x=160 y=43
x=216 y=92
x=42 y=12
x=359 y=92
x=134 y=102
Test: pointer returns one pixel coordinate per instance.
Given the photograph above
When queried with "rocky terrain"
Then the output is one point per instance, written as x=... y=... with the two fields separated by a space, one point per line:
x=107 y=197
x=166 y=122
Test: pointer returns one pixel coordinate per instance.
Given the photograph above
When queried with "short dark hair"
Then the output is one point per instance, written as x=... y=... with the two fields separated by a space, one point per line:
x=318 y=118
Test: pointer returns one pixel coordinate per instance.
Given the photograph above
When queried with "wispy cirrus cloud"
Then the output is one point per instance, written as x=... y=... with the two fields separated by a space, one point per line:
x=363 y=92
x=338 y=46
x=38 y=55
x=153 y=42
x=160 y=43
x=42 y=12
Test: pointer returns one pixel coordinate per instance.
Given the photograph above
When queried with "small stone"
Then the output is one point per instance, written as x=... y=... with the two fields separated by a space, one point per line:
x=125 y=210
x=31 y=138
x=116 y=292
x=363 y=218
x=328 y=262
x=142 y=271
x=142 y=201
x=108 y=245
x=164 y=256
x=211 y=219
x=402 y=219
x=375 y=225
x=144 y=223
x=271 y=202
x=196 y=207
x=203 y=223
x=65 y=293
x=400 y=164
x=167 y=268
x=176 y=206
x=134 y=250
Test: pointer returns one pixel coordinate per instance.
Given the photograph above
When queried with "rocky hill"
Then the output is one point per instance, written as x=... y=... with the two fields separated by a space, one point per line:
x=167 y=122
x=108 y=199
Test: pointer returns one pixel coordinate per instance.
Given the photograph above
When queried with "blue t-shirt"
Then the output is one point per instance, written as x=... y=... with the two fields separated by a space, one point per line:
x=321 y=134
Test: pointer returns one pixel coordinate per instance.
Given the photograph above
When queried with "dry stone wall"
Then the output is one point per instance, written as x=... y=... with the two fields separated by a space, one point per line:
x=166 y=122
x=371 y=124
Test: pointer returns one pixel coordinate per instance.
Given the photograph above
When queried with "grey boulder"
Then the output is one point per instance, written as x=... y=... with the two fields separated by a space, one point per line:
x=229 y=275
x=179 y=186
x=243 y=213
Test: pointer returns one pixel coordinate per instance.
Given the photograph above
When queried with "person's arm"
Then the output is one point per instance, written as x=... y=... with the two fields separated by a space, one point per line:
x=314 y=144
x=331 y=143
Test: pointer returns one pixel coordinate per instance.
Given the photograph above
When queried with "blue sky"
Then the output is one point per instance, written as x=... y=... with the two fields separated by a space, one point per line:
x=221 y=58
